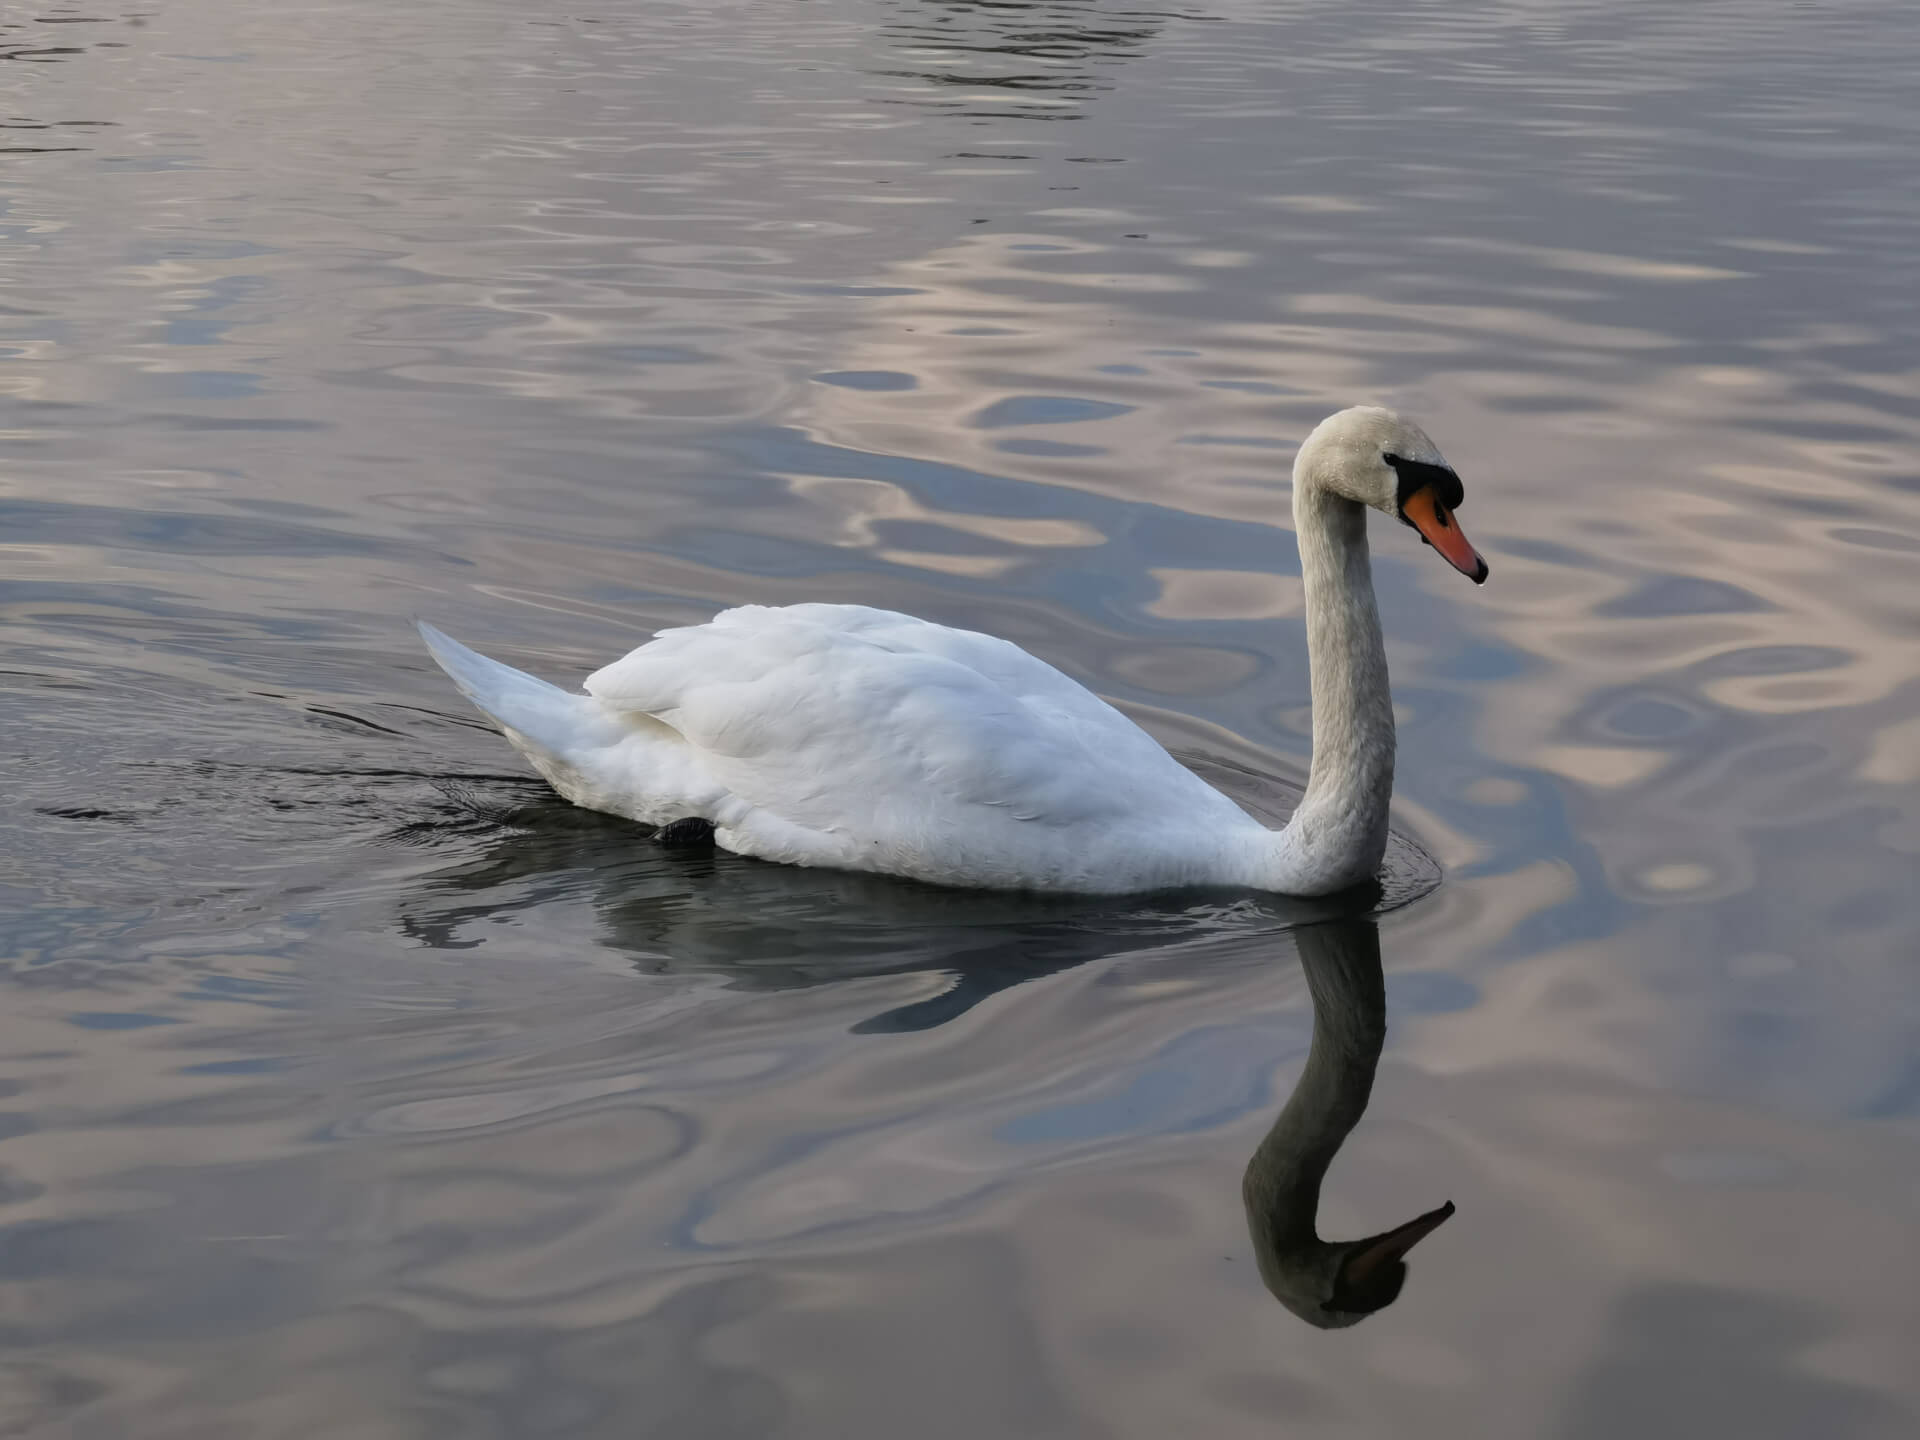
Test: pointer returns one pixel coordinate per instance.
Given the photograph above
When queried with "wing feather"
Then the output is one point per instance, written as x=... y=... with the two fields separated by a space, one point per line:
x=845 y=719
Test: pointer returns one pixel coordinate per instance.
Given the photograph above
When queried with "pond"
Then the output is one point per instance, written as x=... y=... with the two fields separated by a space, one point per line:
x=354 y=1085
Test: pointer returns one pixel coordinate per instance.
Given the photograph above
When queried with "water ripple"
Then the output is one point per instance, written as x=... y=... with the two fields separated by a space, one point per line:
x=348 y=1075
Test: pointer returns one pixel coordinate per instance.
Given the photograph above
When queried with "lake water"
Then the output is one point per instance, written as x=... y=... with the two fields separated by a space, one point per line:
x=355 y=1088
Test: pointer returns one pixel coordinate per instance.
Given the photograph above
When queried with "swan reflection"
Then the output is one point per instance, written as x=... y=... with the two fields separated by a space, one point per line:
x=1328 y=1283
x=778 y=927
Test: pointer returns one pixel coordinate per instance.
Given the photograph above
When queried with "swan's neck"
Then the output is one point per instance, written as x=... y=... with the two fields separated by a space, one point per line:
x=1338 y=836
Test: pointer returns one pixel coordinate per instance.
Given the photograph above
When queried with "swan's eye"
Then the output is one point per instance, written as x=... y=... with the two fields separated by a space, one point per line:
x=1416 y=475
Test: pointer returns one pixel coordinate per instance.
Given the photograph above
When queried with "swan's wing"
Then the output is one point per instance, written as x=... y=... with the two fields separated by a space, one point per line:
x=742 y=643
x=1002 y=662
x=841 y=718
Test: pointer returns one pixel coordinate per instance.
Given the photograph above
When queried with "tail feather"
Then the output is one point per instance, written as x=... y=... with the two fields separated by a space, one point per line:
x=544 y=721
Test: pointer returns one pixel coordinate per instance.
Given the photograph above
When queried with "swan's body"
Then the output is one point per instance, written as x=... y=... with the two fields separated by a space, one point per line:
x=836 y=735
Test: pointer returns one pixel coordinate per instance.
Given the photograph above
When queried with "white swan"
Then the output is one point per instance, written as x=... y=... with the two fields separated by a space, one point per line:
x=859 y=739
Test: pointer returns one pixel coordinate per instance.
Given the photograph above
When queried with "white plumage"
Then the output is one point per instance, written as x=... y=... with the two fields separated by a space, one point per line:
x=861 y=739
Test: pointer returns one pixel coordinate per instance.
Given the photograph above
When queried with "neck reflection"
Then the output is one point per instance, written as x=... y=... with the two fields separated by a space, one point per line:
x=1328 y=1283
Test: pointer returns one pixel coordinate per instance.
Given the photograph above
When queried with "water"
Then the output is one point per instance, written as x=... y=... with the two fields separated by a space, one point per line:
x=354 y=1087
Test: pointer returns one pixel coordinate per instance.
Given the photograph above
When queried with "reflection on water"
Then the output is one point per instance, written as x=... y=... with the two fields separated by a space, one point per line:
x=346 y=1086
x=782 y=927
x=1024 y=61
x=1329 y=1284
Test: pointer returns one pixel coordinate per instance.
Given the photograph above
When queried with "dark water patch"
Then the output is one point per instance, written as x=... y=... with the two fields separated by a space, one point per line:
x=186 y=533
x=881 y=380
x=81 y=812
x=1877 y=539
x=1776 y=660
x=1045 y=410
x=1682 y=595
x=1046 y=449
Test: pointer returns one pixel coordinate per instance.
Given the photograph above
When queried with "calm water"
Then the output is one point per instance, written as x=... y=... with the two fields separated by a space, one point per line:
x=355 y=1088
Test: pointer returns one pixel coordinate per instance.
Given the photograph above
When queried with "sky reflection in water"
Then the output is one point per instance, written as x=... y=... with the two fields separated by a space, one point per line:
x=352 y=1085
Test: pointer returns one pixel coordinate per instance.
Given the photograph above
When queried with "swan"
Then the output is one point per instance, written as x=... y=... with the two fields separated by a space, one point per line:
x=1328 y=1283
x=861 y=739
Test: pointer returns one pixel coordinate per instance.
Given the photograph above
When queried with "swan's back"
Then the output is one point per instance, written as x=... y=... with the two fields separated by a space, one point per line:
x=751 y=641
x=851 y=736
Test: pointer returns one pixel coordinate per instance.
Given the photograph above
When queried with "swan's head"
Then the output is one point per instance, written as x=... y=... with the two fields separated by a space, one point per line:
x=1332 y=1284
x=1378 y=459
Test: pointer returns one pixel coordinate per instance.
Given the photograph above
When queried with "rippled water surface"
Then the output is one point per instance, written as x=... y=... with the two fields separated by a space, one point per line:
x=355 y=1087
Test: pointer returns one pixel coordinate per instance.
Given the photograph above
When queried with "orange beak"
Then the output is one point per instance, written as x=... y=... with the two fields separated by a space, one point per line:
x=1439 y=529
